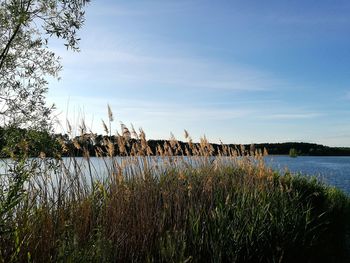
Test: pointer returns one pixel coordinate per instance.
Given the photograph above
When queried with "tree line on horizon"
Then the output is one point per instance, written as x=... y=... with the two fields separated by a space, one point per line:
x=34 y=143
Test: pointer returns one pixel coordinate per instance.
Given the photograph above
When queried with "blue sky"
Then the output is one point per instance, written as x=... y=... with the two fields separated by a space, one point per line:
x=236 y=71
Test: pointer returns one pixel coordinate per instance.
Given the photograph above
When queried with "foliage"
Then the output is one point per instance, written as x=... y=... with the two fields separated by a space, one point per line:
x=293 y=152
x=175 y=208
x=25 y=59
x=25 y=64
x=20 y=143
x=311 y=149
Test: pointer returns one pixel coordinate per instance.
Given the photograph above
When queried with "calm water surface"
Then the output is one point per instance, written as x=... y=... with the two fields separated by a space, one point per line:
x=333 y=170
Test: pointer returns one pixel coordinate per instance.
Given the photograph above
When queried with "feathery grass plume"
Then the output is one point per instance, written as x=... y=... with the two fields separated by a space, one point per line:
x=76 y=144
x=179 y=150
x=167 y=149
x=172 y=141
x=224 y=148
x=186 y=134
x=82 y=127
x=243 y=151
x=190 y=143
x=134 y=133
x=160 y=151
x=143 y=142
x=167 y=208
x=69 y=127
x=98 y=152
x=175 y=145
x=110 y=148
x=237 y=150
x=93 y=138
x=187 y=152
x=134 y=150
x=258 y=153
x=265 y=152
x=125 y=131
x=105 y=127
x=211 y=149
x=122 y=142
x=204 y=146
x=110 y=114
x=149 y=151
x=63 y=145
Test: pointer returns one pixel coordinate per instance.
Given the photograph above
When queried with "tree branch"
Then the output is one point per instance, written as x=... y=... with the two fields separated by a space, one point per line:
x=15 y=32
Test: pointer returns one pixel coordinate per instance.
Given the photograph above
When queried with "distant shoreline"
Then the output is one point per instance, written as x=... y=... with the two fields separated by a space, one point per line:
x=43 y=143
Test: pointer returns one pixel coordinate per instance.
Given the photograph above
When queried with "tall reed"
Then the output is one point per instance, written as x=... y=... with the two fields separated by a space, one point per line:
x=175 y=205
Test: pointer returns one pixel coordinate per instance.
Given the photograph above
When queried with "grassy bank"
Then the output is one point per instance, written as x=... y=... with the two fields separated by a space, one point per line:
x=169 y=209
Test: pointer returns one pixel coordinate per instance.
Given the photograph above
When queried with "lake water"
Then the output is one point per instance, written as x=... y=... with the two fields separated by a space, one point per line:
x=333 y=170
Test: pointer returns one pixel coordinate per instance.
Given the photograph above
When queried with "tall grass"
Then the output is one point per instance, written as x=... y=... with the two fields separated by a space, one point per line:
x=181 y=205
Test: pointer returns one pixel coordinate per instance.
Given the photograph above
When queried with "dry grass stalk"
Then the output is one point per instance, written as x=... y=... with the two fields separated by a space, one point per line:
x=105 y=127
x=110 y=113
x=142 y=198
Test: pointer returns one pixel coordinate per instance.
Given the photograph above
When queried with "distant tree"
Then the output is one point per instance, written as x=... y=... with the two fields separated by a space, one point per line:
x=25 y=59
x=293 y=152
x=17 y=142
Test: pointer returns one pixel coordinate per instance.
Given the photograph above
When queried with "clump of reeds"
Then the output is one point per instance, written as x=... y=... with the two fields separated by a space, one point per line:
x=178 y=204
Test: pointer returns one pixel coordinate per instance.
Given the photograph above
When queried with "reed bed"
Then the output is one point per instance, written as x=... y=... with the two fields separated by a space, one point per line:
x=175 y=205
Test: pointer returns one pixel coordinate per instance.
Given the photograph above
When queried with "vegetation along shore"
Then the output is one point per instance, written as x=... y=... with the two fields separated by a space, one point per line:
x=171 y=200
x=190 y=208
x=13 y=139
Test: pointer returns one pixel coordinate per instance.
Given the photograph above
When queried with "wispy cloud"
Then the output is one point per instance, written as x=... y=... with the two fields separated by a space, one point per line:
x=292 y=116
x=143 y=113
x=169 y=71
x=224 y=68
x=155 y=109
